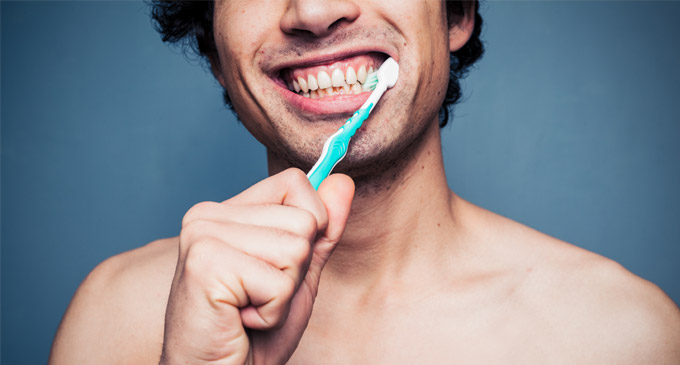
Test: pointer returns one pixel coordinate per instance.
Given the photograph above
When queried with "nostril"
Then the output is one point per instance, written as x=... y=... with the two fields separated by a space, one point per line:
x=306 y=33
x=336 y=24
x=302 y=32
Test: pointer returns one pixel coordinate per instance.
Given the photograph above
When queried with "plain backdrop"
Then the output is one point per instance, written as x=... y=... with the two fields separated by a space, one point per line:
x=570 y=124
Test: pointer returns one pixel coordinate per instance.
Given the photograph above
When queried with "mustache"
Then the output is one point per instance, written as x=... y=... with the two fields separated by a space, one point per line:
x=303 y=44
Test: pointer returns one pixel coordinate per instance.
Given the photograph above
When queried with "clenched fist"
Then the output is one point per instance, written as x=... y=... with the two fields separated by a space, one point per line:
x=249 y=268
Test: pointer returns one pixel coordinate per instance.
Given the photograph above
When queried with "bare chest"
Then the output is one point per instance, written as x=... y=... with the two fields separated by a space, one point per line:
x=499 y=336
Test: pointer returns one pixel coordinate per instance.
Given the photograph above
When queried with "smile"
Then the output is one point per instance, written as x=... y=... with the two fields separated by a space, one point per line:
x=340 y=77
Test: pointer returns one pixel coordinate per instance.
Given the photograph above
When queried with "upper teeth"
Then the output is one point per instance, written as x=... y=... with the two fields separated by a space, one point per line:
x=311 y=82
x=351 y=76
x=361 y=74
x=346 y=82
x=303 y=84
x=324 y=80
x=338 y=78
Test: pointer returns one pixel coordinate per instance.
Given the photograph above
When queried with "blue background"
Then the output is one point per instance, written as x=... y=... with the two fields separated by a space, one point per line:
x=570 y=124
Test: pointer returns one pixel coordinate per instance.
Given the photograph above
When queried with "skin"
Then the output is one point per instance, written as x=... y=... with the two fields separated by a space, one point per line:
x=396 y=267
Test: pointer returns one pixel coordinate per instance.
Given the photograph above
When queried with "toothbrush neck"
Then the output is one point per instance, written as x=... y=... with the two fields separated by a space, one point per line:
x=375 y=95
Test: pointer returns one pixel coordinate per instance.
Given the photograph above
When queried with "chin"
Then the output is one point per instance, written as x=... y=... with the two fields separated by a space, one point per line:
x=380 y=159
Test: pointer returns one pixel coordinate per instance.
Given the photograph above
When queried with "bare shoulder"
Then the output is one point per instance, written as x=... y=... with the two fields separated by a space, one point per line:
x=616 y=315
x=588 y=303
x=117 y=314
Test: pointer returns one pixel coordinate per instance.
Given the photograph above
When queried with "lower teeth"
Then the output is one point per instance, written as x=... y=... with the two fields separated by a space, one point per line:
x=332 y=91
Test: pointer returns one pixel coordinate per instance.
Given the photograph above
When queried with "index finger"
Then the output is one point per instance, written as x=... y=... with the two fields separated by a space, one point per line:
x=291 y=188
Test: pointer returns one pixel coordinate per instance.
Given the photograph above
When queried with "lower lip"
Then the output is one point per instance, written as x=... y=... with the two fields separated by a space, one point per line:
x=329 y=105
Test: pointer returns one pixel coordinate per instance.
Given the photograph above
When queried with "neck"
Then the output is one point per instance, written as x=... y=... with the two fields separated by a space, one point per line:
x=399 y=221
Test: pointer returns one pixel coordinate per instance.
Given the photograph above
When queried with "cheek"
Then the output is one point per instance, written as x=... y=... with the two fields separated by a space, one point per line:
x=241 y=28
x=235 y=49
x=433 y=71
x=428 y=56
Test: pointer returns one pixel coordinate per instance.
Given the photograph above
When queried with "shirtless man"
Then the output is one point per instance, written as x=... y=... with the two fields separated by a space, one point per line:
x=396 y=267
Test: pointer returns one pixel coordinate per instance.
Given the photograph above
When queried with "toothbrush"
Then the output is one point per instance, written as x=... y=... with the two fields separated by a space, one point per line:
x=335 y=147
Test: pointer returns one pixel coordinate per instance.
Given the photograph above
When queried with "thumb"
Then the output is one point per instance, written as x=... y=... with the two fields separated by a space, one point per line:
x=336 y=193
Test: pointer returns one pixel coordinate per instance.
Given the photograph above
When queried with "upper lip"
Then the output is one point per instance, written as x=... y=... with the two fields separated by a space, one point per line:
x=315 y=59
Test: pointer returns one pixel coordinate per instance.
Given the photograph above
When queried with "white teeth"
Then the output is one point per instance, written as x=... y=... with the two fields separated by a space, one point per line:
x=351 y=76
x=324 y=80
x=311 y=83
x=338 y=78
x=361 y=74
x=349 y=82
x=303 y=84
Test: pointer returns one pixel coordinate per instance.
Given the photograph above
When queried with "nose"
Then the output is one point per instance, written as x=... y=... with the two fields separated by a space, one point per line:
x=317 y=17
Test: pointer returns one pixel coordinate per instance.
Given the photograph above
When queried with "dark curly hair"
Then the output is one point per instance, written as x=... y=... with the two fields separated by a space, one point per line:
x=189 y=23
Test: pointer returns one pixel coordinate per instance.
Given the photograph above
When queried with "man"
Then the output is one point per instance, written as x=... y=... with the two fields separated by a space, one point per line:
x=384 y=264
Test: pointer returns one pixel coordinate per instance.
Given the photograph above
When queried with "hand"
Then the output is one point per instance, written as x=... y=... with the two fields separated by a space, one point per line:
x=248 y=270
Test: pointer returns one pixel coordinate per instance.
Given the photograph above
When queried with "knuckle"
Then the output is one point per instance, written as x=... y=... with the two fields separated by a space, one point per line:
x=286 y=289
x=275 y=317
x=300 y=249
x=196 y=212
x=185 y=239
x=307 y=224
x=295 y=176
x=198 y=256
x=230 y=293
x=293 y=250
x=192 y=232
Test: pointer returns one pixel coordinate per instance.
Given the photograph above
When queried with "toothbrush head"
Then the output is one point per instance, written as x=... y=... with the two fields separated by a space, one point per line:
x=388 y=73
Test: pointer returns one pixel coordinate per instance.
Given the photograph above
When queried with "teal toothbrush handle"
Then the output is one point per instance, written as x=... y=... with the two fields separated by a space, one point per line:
x=335 y=147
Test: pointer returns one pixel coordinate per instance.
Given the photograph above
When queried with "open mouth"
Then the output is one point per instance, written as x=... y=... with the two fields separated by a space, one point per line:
x=345 y=76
